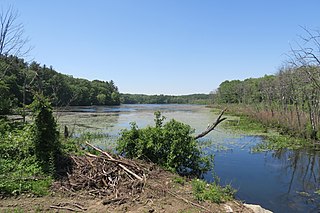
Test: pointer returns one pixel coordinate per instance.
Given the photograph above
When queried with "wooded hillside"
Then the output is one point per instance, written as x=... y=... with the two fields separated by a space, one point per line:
x=19 y=81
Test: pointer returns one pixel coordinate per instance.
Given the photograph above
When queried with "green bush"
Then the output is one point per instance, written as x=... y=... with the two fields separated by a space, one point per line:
x=170 y=145
x=19 y=168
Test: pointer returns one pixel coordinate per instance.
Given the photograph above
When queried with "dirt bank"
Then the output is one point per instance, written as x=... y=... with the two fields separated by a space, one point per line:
x=161 y=193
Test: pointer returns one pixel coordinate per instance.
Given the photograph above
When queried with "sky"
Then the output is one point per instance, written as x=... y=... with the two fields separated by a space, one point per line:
x=164 y=46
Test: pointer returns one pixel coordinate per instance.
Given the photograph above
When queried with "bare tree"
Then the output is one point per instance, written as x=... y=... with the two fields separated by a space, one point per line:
x=12 y=39
x=12 y=44
x=305 y=57
x=306 y=54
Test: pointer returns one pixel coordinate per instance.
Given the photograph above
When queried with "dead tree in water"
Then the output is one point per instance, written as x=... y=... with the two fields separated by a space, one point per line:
x=212 y=126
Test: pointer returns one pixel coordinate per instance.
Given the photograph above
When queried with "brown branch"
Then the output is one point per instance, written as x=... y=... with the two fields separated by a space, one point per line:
x=212 y=126
x=65 y=208
x=119 y=164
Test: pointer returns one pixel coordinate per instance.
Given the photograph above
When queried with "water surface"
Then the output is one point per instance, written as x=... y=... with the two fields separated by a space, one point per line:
x=282 y=181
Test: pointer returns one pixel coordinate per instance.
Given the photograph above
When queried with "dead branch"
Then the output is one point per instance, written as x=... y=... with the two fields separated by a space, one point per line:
x=112 y=160
x=212 y=126
x=119 y=164
x=65 y=208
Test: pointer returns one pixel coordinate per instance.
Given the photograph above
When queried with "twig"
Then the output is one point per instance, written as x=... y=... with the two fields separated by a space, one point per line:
x=212 y=126
x=64 y=207
x=78 y=206
x=111 y=158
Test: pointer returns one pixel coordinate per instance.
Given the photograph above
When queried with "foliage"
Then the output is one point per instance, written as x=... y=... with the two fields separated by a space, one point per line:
x=19 y=169
x=5 y=101
x=288 y=100
x=170 y=145
x=212 y=192
x=179 y=180
x=19 y=81
x=46 y=137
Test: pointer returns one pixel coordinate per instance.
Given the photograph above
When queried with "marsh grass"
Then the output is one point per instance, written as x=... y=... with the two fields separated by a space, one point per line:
x=274 y=139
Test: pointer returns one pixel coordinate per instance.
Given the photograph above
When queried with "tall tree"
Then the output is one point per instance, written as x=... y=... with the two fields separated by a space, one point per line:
x=12 y=38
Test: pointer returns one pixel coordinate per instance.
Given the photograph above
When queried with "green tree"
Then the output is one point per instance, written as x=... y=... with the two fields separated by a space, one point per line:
x=5 y=102
x=101 y=99
x=46 y=141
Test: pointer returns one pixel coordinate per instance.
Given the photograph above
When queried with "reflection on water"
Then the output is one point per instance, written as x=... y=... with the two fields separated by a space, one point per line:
x=282 y=181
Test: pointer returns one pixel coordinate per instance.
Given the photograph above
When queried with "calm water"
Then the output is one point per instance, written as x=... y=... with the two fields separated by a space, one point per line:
x=282 y=181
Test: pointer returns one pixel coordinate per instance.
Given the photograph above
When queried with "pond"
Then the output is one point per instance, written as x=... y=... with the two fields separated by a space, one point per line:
x=281 y=181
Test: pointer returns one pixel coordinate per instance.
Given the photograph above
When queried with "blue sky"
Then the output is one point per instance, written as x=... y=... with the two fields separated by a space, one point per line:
x=164 y=46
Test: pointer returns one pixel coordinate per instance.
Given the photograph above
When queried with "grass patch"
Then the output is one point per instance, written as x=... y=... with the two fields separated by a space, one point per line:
x=212 y=192
x=179 y=180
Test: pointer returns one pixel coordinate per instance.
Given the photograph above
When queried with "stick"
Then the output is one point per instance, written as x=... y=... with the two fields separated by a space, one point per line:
x=212 y=126
x=63 y=207
x=111 y=158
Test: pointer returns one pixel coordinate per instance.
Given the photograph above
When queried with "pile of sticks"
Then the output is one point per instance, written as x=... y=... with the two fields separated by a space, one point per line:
x=106 y=175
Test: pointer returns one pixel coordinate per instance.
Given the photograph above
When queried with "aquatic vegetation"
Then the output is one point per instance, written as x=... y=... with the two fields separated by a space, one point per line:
x=277 y=142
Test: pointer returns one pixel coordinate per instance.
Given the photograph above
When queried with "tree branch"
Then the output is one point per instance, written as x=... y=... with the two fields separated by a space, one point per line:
x=212 y=126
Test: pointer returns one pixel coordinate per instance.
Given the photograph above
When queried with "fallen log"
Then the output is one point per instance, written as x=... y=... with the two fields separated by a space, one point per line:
x=212 y=126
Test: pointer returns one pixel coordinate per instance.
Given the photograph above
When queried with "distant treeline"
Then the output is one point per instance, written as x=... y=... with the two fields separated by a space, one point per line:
x=19 y=81
x=289 y=99
x=165 y=99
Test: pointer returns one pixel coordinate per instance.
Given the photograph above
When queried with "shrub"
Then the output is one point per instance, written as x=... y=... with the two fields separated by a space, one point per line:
x=46 y=140
x=170 y=145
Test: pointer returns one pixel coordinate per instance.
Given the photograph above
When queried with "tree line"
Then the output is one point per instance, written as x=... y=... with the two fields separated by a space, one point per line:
x=289 y=99
x=165 y=99
x=19 y=81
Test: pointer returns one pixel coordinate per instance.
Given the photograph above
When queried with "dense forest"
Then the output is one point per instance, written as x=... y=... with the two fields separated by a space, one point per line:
x=165 y=99
x=19 y=81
